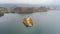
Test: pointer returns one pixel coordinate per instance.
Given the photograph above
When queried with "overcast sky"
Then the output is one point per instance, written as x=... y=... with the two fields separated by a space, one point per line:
x=31 y=1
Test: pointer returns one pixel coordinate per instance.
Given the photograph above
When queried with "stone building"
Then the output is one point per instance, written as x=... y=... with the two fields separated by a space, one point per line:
x=23 y=9
x=30 y=9
x=35 y=9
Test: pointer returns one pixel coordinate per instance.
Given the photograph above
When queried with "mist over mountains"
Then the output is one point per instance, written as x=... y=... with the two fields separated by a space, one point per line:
x=29 y=5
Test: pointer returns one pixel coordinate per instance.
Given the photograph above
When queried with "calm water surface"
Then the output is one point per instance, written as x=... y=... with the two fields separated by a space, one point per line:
x=43 y=23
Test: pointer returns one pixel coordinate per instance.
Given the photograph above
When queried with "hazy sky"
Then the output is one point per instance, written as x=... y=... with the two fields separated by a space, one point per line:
x=31 y=1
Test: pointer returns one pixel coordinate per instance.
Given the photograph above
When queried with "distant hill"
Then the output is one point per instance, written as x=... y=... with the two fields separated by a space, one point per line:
x=28 y=5
x=19 y=5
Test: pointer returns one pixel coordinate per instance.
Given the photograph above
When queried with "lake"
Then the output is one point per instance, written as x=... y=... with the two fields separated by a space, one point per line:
x=43 y=23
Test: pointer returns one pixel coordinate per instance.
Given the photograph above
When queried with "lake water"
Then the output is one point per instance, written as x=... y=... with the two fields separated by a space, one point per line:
x=43 y=23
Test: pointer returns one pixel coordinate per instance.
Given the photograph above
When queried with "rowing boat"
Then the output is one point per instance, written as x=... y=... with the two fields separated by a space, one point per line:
x=28 y=22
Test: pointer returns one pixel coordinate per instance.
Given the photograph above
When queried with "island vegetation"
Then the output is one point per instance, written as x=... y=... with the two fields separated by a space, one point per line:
x=21 y=10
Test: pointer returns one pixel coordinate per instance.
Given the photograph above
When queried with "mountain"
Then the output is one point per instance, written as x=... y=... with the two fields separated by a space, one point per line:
x=28 y=5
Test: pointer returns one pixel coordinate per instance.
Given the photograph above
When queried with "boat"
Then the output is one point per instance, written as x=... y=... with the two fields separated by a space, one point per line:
x=28 y=22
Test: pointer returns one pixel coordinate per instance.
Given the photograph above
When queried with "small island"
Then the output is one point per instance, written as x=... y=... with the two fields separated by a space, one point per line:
x=23 y=9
